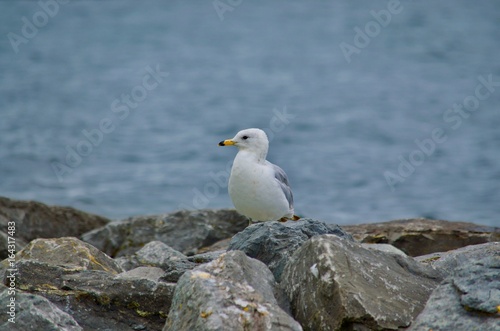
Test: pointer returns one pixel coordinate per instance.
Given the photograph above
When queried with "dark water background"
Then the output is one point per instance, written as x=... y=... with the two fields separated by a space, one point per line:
x=336 y=126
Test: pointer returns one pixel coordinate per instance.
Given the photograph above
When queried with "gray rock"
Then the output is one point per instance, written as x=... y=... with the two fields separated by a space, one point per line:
x=384 y=248
x=233 y=292
x=447 y=262
x=157 y=254
x=150 y=273
x=33 y=312
x=467 y=300
x=98 y=300
x=218 y=246
x=91 y=287
x=420 y=236
x=67 y=251
x=185 y=231
x=274 y=242
x=206 y=257
x=479 y=285
x=336 y=284
x=37 y=220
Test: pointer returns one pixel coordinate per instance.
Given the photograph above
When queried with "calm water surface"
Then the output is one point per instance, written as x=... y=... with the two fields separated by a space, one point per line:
x=117 y=107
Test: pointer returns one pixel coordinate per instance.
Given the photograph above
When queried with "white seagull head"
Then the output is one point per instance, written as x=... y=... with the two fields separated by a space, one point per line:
x=251 y=140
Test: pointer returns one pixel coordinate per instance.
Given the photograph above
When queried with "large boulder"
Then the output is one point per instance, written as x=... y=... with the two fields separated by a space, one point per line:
x=231 y=293
x=33 y=312
x=337 y=284
x=274 y=242
x=91 y=287
x=185 y=231
x=420 y=236
x=469 y=299
x=37 y=220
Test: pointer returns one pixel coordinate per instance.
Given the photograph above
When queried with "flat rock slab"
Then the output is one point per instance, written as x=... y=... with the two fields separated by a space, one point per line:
x=185 y=231
x=37 y=220
x=420 y=236
x=469 y=299
x=274 y=242
x=68 y=251
x=231 y=293
x=336 y=284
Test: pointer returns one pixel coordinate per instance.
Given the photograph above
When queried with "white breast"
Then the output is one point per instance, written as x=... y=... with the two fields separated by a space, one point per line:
x=255 y=191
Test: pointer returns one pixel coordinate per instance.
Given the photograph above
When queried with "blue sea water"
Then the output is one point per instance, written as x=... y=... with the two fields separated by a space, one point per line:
x=116 y=107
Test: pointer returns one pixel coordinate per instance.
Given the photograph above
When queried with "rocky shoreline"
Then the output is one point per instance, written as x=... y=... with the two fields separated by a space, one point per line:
x=208 y=270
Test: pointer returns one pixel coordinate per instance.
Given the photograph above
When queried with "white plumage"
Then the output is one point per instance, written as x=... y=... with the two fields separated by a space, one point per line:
x=258 y=188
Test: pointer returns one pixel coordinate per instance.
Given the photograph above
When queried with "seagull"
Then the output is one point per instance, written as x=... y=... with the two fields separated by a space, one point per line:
x=259 y=189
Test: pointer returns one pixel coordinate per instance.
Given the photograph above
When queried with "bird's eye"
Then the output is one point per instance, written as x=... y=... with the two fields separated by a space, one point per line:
x=244 y=137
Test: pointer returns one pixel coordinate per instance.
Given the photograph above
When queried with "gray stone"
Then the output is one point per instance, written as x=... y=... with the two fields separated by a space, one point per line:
x=100 y=300
x=233 y=292
x=185 y=231
x=384 y=248
x=479 y=285
x=336 y=284
x=33 y=312
x=37 y=220
x=447 y=262
x=218 y=246
x=274 y=242
x=173 y=263
x=420 y=236
x=206 y=257
x=91 y=287
x=67 y=251
x=151 y=273
x=469 y=299
x=157 y=254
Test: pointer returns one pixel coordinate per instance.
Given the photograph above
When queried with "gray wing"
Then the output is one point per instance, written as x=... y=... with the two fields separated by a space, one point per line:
x=282 y=178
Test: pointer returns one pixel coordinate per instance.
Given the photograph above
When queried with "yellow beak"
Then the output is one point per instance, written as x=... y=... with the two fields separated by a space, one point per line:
x=227 y=142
